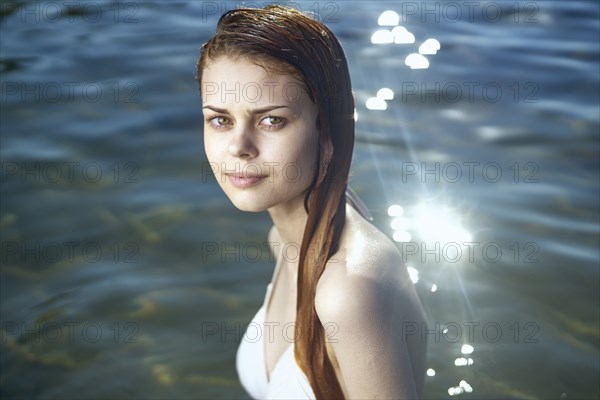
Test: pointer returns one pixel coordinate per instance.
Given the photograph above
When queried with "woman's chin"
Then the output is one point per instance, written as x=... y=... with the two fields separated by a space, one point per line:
x=248 y=206
x=250 y=209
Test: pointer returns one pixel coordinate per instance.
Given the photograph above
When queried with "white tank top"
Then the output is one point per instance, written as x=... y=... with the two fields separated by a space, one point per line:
x=287 y=380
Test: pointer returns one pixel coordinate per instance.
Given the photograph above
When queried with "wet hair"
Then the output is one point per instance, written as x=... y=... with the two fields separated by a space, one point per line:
x=284 y=40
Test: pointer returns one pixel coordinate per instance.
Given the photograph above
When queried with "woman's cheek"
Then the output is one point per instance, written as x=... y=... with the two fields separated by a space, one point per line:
x=214 y=149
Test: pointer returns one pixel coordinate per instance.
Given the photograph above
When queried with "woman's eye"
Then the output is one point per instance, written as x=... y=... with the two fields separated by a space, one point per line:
x=217 y=122
x=274 y=122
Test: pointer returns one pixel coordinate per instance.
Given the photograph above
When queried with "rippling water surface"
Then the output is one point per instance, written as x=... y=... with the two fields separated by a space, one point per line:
x=483 y=167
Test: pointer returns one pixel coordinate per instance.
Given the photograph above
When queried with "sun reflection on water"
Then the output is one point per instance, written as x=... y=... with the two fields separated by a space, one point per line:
x=436 y=225
x=426 y=223
x=388 y=18
x=413 y=273
x=466 y=349
x=463 y=387
x=430 y=46
x=416 y=61
x=400 y=35
x=462 y=361
x=431 y=223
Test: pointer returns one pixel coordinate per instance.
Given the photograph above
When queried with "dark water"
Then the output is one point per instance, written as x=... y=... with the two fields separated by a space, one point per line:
x=112 y=286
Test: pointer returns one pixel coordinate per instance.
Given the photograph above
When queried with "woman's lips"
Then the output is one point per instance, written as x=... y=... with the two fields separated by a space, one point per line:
x=244 y=181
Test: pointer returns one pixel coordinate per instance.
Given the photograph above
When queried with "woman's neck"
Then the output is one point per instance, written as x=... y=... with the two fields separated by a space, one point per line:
x=290 y=220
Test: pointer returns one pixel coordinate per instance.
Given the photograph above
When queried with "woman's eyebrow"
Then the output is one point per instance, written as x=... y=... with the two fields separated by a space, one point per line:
x=255 y=111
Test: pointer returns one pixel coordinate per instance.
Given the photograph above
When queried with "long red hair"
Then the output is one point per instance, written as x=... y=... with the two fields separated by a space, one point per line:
x=283 y=39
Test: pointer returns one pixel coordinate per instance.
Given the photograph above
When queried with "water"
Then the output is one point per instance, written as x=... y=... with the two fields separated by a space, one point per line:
x=110 y=286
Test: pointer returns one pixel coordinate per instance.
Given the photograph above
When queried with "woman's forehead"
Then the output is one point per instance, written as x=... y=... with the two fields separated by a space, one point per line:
x=227 y=80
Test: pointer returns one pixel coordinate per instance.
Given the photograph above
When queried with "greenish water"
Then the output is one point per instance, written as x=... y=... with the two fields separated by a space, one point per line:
x=110 y=283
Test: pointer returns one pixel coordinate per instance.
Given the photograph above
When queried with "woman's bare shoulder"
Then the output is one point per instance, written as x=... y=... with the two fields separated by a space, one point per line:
x=365 y=251
x=367 y=269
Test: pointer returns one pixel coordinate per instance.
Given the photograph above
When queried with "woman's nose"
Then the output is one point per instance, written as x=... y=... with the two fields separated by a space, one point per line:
x=242 y=143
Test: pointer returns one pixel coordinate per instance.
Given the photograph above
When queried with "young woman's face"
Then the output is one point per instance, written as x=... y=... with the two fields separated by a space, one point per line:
x=260 y=134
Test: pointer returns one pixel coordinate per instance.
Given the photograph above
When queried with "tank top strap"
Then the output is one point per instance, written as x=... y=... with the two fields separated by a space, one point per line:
x=357 y=204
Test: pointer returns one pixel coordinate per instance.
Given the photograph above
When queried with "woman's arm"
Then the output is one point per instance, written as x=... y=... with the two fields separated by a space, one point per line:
x=366 y=316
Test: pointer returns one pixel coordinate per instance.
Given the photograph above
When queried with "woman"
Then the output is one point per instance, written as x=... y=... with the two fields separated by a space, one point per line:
x=279 y=134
